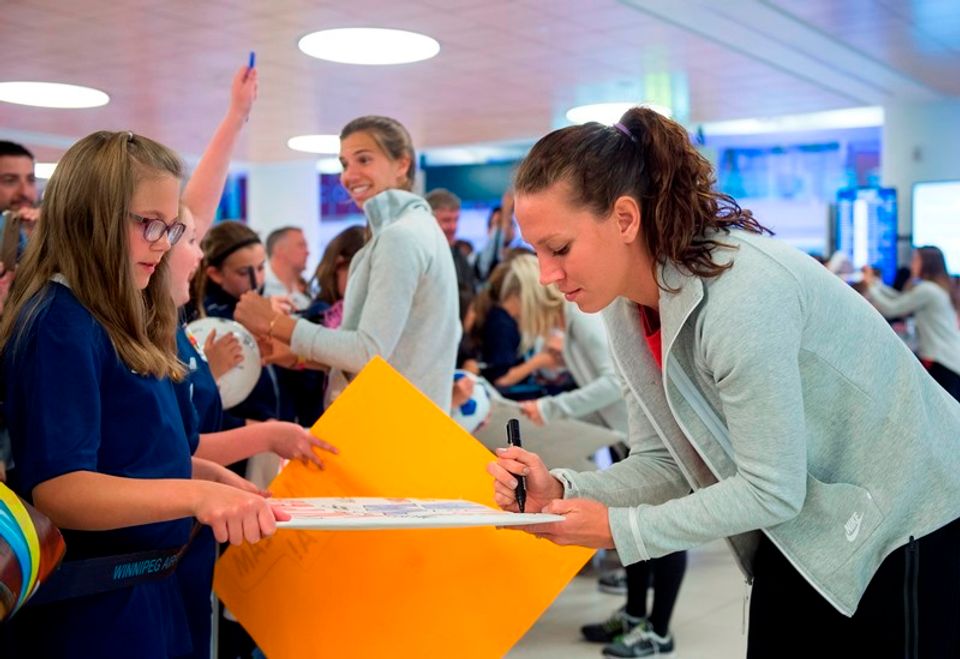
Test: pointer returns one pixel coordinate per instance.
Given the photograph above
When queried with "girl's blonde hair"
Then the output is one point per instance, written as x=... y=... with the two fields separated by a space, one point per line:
x=83 y=235
x=541 y=307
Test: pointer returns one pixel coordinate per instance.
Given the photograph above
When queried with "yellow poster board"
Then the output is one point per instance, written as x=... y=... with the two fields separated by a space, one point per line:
x=469 y=592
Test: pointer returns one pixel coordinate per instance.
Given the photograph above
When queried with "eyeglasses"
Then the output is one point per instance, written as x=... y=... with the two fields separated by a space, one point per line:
x=154 y=228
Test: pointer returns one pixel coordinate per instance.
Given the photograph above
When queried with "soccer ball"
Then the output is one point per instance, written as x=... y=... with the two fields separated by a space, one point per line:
x=237 y=383
x=476 y=409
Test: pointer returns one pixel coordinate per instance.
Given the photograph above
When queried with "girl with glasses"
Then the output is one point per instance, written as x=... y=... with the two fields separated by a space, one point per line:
x=89 y=365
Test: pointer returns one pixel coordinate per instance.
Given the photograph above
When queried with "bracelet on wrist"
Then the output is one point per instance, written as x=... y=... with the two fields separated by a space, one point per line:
x=273 y=321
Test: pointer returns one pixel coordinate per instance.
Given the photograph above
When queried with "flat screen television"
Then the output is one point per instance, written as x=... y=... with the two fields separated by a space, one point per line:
x=866 y=229
x=936 y=219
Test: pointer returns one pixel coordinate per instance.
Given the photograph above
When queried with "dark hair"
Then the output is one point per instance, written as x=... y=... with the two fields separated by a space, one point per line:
x=392 y=138
x=274 y=237
x=441 y=198
x=221 y=241
x=901 y=278
x=493 y=214
x=339 y=251
x=484 y=301
x=933 y=267
x=650 y=159
x=15 y=150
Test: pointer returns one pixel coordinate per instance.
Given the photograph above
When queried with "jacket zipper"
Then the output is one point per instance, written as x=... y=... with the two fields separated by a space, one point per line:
x=712 y=468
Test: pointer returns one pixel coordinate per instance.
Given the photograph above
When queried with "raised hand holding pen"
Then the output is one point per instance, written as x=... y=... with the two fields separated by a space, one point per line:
x=243 y=91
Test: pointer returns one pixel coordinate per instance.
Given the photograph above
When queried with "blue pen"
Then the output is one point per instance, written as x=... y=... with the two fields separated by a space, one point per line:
x=513 y=439
x=253 y=60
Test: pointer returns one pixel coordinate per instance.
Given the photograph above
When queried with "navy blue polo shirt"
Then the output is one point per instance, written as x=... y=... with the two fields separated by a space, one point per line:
x=202 y=413
x=266 y=400
x=72 y=405
x=198 y=394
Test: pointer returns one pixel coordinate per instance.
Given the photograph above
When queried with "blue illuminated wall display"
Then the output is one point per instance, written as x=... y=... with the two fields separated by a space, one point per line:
x=866 y=230
x=233 y=202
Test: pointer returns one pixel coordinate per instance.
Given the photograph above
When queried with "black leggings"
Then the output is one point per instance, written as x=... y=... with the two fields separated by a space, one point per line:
x=910 y=609
x=665 y=575
x=945 y=378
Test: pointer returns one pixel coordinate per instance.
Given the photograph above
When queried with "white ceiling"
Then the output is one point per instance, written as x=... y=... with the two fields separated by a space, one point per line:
x=507 y=69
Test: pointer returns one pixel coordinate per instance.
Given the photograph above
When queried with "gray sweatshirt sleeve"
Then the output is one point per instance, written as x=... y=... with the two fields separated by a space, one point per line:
x=603 y=390
x=648 y=475
x=398 y=261
x=892 y=304
x=754 y=357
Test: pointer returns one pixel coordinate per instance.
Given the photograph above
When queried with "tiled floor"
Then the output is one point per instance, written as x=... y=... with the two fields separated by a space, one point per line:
x=707 y=622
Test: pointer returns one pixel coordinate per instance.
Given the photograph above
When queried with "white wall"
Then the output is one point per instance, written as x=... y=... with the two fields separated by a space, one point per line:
x=801 y=223
x=921 y=142
x=285 y=194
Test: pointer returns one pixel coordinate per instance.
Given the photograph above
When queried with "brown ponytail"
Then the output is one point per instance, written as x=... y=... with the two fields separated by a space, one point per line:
x=648 y=157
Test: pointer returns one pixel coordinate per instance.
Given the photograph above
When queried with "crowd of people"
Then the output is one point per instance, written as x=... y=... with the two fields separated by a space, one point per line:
x=759 y=398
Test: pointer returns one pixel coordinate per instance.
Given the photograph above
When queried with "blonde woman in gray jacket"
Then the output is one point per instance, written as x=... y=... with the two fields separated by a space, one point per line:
x=401 y=300
x=572 y=339
x=768 y=403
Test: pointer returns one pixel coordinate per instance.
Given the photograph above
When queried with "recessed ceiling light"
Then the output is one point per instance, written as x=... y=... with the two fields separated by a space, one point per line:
x=44 y=170
x=369 y=45
x=608 y=113
x=315 y=143
x=52 y=95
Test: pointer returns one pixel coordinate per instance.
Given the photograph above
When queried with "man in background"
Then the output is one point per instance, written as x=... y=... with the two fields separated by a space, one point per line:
x=501 y=238
x=18 y=217
x=446 y=208
x=18 y=201
x=18 y=184
x=287 y=254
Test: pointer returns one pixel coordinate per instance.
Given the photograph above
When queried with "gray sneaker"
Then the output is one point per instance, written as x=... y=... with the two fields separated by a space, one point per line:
x=641 y=641
x=618 y=624
x=614 y=582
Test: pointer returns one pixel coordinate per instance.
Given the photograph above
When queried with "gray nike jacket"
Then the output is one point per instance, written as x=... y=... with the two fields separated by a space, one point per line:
x=786 y=405
x=401 y=303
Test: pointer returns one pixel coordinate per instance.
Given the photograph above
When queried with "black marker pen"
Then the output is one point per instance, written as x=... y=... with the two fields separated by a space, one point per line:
x=513 y=439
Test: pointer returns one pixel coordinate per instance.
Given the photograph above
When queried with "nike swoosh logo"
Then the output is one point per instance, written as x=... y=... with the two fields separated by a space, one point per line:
x=852 y=527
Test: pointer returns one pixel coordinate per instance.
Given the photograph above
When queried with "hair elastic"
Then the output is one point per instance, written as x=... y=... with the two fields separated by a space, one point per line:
x=626 y=131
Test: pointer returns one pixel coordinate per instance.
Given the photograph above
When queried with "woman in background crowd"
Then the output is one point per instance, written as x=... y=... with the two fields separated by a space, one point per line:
x=932 y=302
